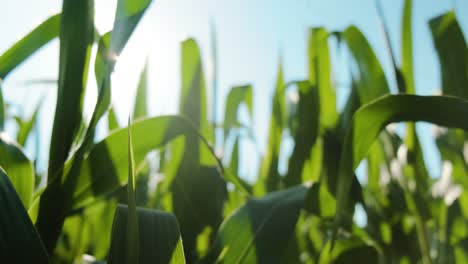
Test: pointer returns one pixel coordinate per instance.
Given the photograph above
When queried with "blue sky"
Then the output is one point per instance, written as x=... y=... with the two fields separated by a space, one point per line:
x=252 y=35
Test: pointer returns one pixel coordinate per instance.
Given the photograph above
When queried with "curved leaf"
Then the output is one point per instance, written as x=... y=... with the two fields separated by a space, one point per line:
x=373 y=117
x=29 y=44
x=104 y=169
x=261 y=230
x=237 y=96
x=452 y=50
x=18 y=168
x=372 y=82
x=19 y=240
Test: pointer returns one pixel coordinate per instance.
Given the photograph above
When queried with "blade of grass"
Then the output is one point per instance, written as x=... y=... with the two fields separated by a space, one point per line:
x=132 y=218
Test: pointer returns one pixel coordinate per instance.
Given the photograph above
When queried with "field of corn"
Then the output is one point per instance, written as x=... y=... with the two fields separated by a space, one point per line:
x=156 y=190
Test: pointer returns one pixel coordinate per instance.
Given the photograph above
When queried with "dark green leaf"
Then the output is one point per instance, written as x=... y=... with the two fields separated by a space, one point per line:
x=452 y=50
x=373 y=117
x=306 y=133
x=19 y=240
x=371 y=79
x=260 y=231
x=132 y=220
x=158 y=233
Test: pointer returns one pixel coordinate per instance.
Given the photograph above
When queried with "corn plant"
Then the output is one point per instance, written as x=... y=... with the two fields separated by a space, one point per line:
x=109 y=202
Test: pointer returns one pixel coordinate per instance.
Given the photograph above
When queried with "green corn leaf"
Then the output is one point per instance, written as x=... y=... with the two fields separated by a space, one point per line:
x=112 y=122
x=159 y=237
x=29 y=44
x=320 y=75
x=269 y=177
x=193 y=104
x=407 y=47
x=369 y=120
x=19 y=240
x=306 y=133
x=141 y=109
x=132 y=220
x=372 y=82
x=237 y=96
x=198 y=191
x=76 y=38
x=452 y=51
x=349 y=250
x=27 y=125
x=128 y=14
x=104 y=169
x=18 y=167
x=261 y=230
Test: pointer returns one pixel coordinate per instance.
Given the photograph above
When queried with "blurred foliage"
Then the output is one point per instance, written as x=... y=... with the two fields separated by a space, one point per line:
x=157 y=190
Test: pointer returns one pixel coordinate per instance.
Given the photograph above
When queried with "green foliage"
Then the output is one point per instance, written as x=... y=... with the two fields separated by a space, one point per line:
x=193 y=208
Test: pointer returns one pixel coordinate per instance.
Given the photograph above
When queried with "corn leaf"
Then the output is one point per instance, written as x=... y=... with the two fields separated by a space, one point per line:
x=140 y=109
x=76 y=38
x=198 y=191
x=306 y=132
x=369 y=120
x=26 y=126
x=158 y=233
x=268 y=178
x=260 y=231
x=112 y=122
x=452 y=51
x=237 y=96
x=349 y=250
x=29 y=44
x=132 y=220
x=18 y=167
x=407 y=47
x=19 y=240
x=104 y=169
x=372 y=82
x=320 y=75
